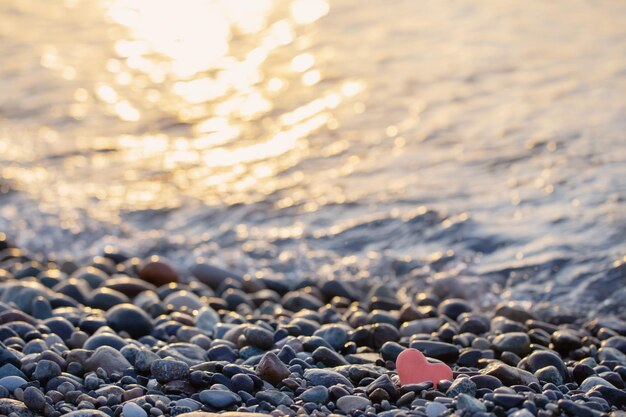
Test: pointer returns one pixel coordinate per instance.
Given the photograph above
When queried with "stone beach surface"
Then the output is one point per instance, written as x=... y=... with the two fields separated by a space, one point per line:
x=123 y=336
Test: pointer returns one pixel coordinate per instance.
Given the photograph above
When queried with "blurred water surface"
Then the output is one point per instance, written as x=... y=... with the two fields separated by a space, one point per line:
x=346 y=138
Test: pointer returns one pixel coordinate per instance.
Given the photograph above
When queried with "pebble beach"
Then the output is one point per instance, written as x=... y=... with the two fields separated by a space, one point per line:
x=130 y=337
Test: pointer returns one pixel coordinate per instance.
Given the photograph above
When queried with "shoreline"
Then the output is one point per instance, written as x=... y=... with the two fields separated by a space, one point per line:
x=133 y=338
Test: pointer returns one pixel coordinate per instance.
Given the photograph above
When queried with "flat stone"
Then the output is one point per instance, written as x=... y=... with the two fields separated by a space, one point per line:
x=350 y=403
x=592 y=381
x=272 y=369
x=219 y=398
x=12 y=382
x=317 y=394
x=516 y=342
x=443 y=351
x=166 y=370
x=325 y=377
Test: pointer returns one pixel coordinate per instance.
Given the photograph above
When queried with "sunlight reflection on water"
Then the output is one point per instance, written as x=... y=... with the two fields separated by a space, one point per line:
x=489 y=137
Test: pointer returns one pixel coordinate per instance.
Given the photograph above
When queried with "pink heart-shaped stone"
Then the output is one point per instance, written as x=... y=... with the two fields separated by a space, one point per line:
x=413 y=368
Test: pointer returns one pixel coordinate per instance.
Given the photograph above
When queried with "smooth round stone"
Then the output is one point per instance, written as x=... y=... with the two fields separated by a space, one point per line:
x=94 y=277
x=592 y=381
x=390 y=351
x=131 y=319
x=46 y=370
x=133 y=410
x=438 y=350
x=325 y=377
x=318 y=395
x=127 y=285
x=41 y=308
x=335 y=334
x=435 y=409
x=504 y=325
x=106 y=298
x=34 y=399
x=611 y=354
x=508 y=401
x=616 y=342
x=165 y=370
x=12 y=382
x=107 y=358
x=349 y=403
x=207 y=319
x=218 y=398
x=297 y=301
x=157 y=272
x=74 y=288
x=515 y=342
x=259 y=337
x=565 y=340
x=104 y=339
x=453 y=308
x=338 y=288
x=541 y=359
x=222 y=353
x=242 y=382
x=183 y=299
x=60 y=326
x=549 y=374
x=486 y=381
x=211 y=275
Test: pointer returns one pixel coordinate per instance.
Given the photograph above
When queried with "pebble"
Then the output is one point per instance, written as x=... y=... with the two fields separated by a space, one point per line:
x=131 y=409
x=46 y=370
x=461 y=386
x=435 y=409
x=515 y=342
x=157 y=272
x=469 y=404
x=12 y=382
x=166 y=370
x=443 y=351
x=272 y=369
x=107 y=358
x=325 y=377
x=350 y=403
x=318 y=394
x=207 y=319
x=130 y=319
x=34 y=399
